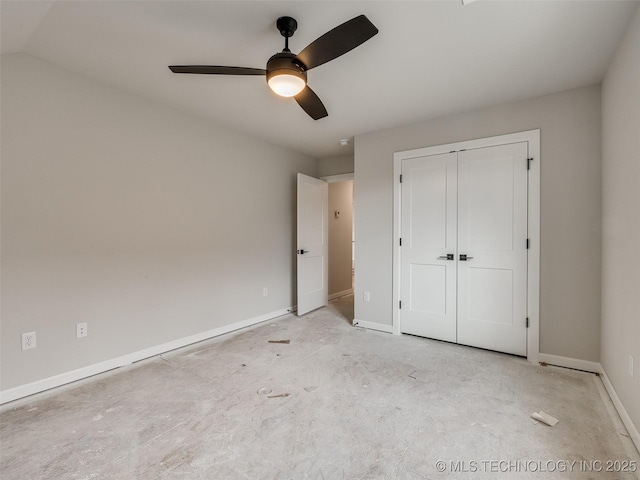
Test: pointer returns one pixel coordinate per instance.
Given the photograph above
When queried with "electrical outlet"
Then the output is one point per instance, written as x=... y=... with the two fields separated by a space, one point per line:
x=81 y=330
x=265 y=292
x=28 y=340
x=630 y=366
x=366 y=297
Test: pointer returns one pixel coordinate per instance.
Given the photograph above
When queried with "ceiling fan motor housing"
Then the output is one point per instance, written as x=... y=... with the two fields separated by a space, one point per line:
x=285 y=63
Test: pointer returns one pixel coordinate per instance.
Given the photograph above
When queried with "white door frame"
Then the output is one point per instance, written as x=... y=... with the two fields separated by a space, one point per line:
x=343 y=177
x=533 y=224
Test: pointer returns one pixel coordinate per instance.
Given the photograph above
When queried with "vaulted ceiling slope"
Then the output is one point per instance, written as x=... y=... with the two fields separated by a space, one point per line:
x=430 y=59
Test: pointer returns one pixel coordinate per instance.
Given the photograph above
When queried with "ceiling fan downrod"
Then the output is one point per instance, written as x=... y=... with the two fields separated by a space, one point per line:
x=287 y=26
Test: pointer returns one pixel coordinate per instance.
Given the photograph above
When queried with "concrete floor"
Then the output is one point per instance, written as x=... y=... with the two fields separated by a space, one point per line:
x=337 y=402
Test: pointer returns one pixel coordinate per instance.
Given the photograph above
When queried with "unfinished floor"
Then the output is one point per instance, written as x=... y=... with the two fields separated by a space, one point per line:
x=336 y=402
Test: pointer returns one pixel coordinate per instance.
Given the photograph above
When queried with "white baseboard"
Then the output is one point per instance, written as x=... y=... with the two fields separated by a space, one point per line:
x=343 y=293
x=576 y=364
x=373 y=326
x=596 y=367
x=90 y=370
x=624 y=415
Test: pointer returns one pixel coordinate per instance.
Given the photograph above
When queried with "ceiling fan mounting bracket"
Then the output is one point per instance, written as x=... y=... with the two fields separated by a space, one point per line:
x=287 y=26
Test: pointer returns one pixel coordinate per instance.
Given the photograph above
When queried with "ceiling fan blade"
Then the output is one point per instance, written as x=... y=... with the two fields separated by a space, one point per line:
x=311 y=103
x=337 y=42
x=216 y=70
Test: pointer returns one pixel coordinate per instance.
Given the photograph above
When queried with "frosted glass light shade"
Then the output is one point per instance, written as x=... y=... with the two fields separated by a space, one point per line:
x=286 y=85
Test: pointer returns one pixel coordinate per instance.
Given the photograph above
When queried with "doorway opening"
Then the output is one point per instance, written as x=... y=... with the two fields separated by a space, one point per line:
x=341 y=237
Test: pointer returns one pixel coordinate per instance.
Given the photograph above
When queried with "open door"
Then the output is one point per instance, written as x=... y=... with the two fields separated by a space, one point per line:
x=312 y=244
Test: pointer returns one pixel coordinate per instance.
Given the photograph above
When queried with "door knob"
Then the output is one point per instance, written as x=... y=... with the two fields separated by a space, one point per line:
x=464 y=258
x=448 y=256
x=302 y=252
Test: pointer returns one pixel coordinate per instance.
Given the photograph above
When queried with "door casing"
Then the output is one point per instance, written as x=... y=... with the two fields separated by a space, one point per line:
x=532 y=137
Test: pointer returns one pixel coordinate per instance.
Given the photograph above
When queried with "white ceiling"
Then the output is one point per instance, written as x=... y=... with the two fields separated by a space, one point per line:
x=430 y=59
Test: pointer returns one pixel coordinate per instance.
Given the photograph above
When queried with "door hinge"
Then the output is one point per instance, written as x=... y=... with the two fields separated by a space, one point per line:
x=401 y=242
x=400 y=304
x=400 y=178
x=529 y=160
x=527 y=244
x=527 y=322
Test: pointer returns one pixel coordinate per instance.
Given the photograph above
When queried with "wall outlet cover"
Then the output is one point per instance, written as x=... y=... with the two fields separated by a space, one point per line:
x=81 y=330
x=28 y=340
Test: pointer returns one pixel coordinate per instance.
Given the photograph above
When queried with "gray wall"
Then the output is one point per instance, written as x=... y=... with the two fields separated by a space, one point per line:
x=621 y=220
x=335 y=165
x=340 y=236
x=570 y=210
x=146 y=223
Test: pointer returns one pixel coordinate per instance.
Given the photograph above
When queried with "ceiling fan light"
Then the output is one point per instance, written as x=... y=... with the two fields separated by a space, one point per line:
x=286 y=85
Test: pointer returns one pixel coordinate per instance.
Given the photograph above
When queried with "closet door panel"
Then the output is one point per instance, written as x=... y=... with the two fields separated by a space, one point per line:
x=492 y=260
x=428 y=232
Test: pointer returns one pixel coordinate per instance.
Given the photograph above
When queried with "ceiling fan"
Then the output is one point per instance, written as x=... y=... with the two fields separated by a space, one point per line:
x=287 y=73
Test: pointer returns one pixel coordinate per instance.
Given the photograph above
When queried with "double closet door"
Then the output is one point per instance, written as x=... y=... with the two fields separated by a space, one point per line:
x=463 y=259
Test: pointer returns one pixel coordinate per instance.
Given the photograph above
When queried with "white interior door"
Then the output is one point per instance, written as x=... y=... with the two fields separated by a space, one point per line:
x=492 y=233
x=312 y=244
x=463 y=260
x=428 y=236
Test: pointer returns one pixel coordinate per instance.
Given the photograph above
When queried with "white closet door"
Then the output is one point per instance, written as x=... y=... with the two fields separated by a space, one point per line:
x=428 y=232
x=492 y=233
